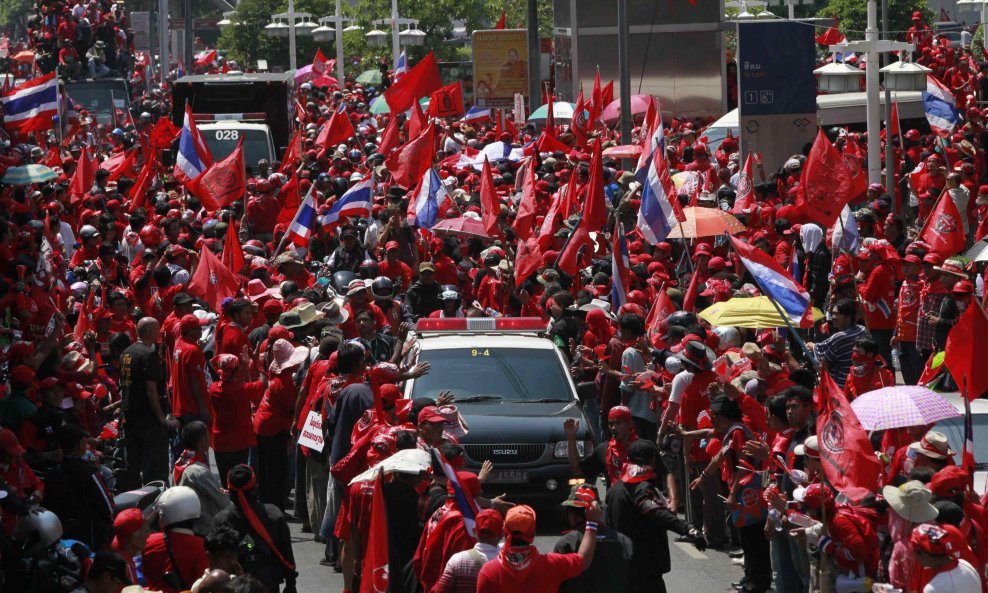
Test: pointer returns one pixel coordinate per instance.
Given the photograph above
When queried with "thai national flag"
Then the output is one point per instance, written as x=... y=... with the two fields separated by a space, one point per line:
x=940 y=106
x=305 y=218
x=179 y=70
x=774 y=281
x=193 y=156
x=847 y=236
x=620 y=264
x=467 y=507
x=401 y=67
x=357 y=201
x=30 y=107
x=476 y=114
x=659 y=204
x=429 y=196
x=656 y=138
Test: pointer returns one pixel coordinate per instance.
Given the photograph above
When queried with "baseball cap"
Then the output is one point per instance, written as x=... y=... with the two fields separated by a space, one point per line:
x=391 y=245
x=581 y=496
x=430 y=414
x=489 y=521
x=520 y=522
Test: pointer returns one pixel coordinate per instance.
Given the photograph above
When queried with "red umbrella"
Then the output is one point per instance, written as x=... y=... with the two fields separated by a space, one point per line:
x=25 y=56
x=625 y=151
x=464 y=225
x=639 y=105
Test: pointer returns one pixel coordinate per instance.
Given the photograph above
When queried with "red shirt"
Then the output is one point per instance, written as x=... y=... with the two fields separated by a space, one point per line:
x=233 y=340
x=694 y=403
x=878 y=294
x=276 y=411
x=233 y=429
x=349 y=327
x=544 y=575
x=263 y=212
x=355 y=511
x=189 y=553
x=905 y=328
x=399 y=272
x=188 y=369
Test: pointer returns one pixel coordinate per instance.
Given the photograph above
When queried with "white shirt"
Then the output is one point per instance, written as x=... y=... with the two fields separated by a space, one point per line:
x=961 y=579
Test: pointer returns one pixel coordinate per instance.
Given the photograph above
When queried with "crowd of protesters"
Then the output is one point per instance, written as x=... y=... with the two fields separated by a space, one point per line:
x=122 y=367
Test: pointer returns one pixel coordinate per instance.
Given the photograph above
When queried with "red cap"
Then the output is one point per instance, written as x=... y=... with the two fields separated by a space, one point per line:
x=77 y=391
x=938 y=540
x=391 y=245
x=520 y=521
x=430 y=414
x=127 y=523
x=187 y=323
x=949 y=481
x=49 y=382
x=933 y=258
x=489 y=521
x=469 y=482
x=619 y=413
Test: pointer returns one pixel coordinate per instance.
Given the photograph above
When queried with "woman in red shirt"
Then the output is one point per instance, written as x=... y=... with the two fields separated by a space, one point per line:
x=273 y=421
x=232 y=397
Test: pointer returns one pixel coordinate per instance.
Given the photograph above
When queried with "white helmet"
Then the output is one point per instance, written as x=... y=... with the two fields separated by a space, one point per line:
x=37 y=531
x=178 y=504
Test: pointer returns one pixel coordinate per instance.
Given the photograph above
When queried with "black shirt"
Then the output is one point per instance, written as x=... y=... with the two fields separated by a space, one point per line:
x=139 y=364
x=610 y=570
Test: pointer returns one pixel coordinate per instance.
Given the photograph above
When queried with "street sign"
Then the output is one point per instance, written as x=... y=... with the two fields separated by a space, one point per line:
x=775 y=68
x=500 y=67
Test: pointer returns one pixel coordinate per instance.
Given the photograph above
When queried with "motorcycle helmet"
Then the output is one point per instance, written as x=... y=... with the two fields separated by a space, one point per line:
x=383 y=288
x=88 y=232
x=35 y=532
x=341 y=280
x=449 y=295
x=151 y=236
x=368 y=268
x=178 y=504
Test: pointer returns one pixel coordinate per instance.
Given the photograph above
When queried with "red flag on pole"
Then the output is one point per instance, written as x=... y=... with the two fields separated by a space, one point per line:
x=138 y=191
x=164 y=133
x=578 y=123
x=662 y=308
x=417 y=122
x=527 y=260
x=338 y=129
x=233 y=253
x=290 y=201
x=490 y=203
x=83 y=178
x=447 y=101
x=828 y=183
x=322 y=65
x=550 y=114
x=943 y=230
x=607 y=95
x=968 y=368
x=223 y=183
x=213 y=281
x=124 y=167
x=418 y=82
x=593 y=218
x=526 y=206
x=848 y=459
x=746 y=188
x=374 y=575
x=548 y=228
x=408 y=163
x=501 y=21
x=390 y=138
x=293 y=152
x=596 y=97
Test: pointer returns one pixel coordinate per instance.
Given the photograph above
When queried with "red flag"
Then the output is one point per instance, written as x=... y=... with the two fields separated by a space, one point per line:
x=224 y=182
x=205 y=58
x=490 y=203
x=293 y=152
x=607 y=95
x=526 y=206
x=447 y=101
x=418 y=121
x=233 y=253
x=390 y=138
x=548 y=228
x=548 y=142
x=83 y=178
x=943 y=231
x=578 y=123
x=596 y=97
x=374 y=573
x=138 y=191
x=846 y=453
x=164 y=133
x=568 y=204
x=689 y=301
x=893 y=123
x=831 y=36
x=408 y=163
x=213 y=281
x=53 y=158
x=290 y=200
x=662 y=308
x=829 y=181
x=968 y=368
x=418 y=82
x=122 y=165
x=594 y=214
x=320 y=64
x=527 y=260
x=509 y=127
x=550 y=115
x=746 y=188
x=338 y=129
x=500 y=22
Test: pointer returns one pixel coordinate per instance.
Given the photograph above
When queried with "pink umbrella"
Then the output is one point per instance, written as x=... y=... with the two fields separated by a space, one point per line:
x=625 y=151
x=464 y=225
x=901 y=405
x=639 y=105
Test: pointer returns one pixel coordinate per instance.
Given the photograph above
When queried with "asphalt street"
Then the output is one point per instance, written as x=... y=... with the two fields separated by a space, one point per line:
x=692 y=570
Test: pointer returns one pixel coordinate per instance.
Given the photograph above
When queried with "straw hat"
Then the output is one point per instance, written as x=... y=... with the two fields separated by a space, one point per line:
x=933 y=444
x=307 y=313
x=334 y=311
x=911 y=501
x=287 y=356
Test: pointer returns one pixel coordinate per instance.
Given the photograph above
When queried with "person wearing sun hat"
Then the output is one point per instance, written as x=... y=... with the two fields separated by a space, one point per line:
x=911 y=506
x=273 y=420
x=611 y=569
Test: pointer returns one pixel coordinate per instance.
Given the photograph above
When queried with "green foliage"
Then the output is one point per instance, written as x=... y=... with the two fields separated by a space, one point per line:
x=246 y=41
x=852 y=15
x=13 y=16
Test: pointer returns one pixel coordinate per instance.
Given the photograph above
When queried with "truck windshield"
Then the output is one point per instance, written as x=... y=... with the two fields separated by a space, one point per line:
x=510 y=374
x=99 y=97
x=223 y=141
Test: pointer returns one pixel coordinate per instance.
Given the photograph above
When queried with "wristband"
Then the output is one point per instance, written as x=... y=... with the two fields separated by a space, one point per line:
x=591 y=526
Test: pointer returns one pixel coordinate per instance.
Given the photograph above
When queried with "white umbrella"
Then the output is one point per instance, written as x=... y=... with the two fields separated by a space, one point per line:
x=406 y=461
x=979 y=251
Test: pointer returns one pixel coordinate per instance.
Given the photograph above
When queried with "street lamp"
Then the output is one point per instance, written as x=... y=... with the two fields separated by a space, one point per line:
x=412 y=36
x=743 y=6
x=376 y=37
x=905 y=76
x=838 y=77
x=227 y=18
x=873 y=47
x=285 y=24
x=326 y=33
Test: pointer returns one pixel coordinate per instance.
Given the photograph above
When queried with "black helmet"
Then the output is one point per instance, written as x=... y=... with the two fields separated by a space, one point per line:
x=368 y=268
x=342 y=279
x=681 y=318
x=369 y=148
x=383 y=288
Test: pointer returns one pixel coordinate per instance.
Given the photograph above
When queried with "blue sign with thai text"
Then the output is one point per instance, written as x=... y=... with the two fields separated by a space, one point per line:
x=775 y=68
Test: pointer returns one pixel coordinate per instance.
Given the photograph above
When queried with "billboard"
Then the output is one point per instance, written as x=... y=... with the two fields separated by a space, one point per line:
x=500 y=67
x=774 y=82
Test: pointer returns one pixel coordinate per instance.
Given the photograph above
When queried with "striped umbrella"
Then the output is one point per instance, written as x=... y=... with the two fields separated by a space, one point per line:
x=28 y=174
x=706 y=222
x=900 y=406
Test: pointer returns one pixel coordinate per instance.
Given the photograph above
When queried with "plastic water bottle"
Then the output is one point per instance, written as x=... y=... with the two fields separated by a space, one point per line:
x=895 y=359
x=773 y=514
x=884 y=588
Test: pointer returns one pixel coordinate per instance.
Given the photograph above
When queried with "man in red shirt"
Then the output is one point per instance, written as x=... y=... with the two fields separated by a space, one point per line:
x=175 y=549
x=395 y=269
x=905 y=325
x=521 y=567
x=188 y=372
x=877 y=294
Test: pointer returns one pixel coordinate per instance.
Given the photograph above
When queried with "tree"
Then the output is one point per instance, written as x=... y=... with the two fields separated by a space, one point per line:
x=852 y=15
x=14 y=15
